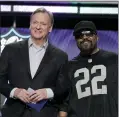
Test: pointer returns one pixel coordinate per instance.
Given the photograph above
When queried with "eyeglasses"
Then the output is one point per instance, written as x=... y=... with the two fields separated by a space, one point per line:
x=81 y=34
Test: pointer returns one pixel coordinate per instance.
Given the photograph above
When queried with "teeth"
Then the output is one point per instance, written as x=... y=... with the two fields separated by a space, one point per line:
x=85 y=42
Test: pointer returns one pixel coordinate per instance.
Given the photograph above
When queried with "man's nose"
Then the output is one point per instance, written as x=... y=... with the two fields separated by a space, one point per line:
x=38 y=26
x=85 y=36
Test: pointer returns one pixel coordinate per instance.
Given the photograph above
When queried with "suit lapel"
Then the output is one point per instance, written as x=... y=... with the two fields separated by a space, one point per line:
x=25 y=56
x=46 y=59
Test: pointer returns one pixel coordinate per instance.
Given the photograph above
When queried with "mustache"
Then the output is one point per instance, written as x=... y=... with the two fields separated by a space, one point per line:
x=85 y=41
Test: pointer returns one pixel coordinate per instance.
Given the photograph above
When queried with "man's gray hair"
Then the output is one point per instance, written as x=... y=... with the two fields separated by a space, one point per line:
x=43 y=10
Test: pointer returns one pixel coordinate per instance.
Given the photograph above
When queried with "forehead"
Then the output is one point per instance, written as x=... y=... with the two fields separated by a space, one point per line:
x=41 y=17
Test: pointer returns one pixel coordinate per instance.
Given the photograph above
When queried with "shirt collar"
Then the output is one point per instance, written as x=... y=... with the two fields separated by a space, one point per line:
x=31 y=43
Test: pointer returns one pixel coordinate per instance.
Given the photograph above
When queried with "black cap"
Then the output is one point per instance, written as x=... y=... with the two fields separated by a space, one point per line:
x=84 y=25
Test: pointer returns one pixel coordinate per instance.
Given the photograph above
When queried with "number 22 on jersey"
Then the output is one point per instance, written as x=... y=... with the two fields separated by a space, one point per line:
x=94 y=81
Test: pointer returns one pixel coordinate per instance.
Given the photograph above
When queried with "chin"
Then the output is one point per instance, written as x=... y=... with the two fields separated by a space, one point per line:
x=37 y=37
x=86 y=49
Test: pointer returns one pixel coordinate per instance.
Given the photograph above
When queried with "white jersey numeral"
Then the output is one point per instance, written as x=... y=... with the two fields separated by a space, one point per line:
x=94 y=81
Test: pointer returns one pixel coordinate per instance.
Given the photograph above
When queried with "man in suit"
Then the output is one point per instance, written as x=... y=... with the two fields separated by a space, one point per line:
x=36 y=64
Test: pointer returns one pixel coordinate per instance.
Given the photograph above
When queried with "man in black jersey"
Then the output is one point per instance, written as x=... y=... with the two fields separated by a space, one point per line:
x=94 y=76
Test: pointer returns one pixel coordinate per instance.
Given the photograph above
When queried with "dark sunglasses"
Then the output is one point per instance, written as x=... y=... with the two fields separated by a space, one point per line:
x=81 y=34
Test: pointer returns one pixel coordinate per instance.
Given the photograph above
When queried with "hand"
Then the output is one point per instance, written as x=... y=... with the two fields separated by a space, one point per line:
x=62 y=114
x=22 y=94
x=38 y=95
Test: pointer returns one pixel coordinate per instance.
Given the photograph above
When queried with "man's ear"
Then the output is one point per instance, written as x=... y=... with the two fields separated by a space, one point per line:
x=30 y=25
x=50 y=28
x=97 y=38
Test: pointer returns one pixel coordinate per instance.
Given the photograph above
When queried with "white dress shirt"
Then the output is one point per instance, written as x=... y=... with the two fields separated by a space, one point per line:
x=36 y=54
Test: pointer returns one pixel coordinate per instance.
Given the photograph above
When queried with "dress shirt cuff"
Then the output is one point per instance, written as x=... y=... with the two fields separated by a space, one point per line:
x=50 y=93
x=12 y=93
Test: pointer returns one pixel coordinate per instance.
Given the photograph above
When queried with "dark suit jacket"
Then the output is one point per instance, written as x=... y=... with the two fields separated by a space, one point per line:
x=14 y=66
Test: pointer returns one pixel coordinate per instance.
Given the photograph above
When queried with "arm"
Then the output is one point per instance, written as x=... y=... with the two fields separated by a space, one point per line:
x=112 y=83
x=115 y=80
x=62 y=82
x=5 y=87
x=64 y=104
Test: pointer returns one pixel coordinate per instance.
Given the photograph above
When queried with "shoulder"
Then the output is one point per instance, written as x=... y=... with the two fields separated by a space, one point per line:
x=12 y=48
x=14 y=45
x=58 y=52
x=109 y=54
x=108 y=57
x=74 y=61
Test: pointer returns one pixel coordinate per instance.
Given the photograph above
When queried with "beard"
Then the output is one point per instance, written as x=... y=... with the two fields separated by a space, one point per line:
x=86 y=47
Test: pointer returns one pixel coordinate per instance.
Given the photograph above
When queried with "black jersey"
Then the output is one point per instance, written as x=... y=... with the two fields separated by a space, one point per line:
x=94 y=85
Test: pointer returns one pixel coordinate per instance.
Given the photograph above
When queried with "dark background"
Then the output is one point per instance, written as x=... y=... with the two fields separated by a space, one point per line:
x=62 y=21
